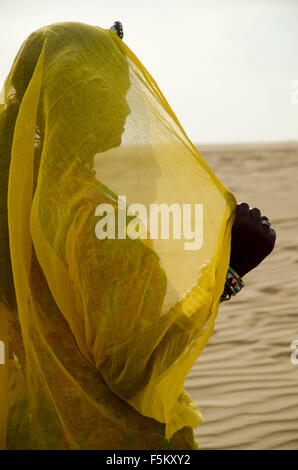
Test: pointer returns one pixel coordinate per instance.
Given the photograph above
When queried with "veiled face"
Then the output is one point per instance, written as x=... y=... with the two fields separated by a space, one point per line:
x=90 y=109
x=112 y=119
x=104 y=110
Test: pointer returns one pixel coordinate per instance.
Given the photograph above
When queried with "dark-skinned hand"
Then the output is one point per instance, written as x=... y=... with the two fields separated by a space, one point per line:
x=252 y=240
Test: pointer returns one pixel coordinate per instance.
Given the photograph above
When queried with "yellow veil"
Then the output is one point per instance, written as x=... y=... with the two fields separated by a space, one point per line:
x=101 y=331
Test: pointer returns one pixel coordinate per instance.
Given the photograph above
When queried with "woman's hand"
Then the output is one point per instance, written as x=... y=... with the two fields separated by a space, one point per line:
x=252 y=240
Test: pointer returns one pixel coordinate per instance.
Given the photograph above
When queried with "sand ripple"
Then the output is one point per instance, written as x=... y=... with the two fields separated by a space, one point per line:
x=244 y=382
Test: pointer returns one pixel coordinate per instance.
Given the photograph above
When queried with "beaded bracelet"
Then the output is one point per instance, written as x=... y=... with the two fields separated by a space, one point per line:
x=233 y=285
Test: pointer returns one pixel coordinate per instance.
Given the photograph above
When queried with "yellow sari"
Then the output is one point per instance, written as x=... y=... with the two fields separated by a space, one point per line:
x=100 y=332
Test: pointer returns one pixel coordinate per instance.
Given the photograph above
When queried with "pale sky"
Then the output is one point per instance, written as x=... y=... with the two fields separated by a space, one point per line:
x=226 y=67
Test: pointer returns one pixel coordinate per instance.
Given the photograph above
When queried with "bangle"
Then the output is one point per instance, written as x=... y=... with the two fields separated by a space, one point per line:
x=233 y=285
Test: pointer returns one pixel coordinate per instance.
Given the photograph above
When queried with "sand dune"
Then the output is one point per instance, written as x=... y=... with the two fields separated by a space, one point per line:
x=244 y=382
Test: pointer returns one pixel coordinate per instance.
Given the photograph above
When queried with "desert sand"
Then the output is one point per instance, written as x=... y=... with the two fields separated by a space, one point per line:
x=244 y=381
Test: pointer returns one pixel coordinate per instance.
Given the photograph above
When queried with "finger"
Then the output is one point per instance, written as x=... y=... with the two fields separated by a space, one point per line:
x=265 y=222
x=272 y=233
x=255 y=214
x=242 y=211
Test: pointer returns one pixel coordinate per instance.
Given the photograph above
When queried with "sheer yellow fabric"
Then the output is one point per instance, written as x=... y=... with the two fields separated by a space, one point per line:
x=102 y=332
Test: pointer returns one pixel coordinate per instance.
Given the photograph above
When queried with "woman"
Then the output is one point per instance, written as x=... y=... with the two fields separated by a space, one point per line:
x=102 y=331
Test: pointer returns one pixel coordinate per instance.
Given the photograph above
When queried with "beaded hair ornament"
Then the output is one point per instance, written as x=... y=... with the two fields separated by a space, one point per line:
x=118 y=28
